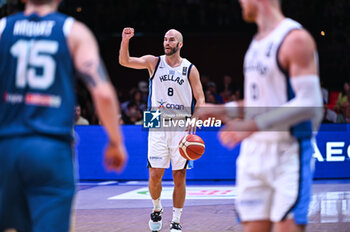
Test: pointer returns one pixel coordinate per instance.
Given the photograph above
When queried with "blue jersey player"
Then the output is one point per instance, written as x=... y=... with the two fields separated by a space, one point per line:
x=40 y=51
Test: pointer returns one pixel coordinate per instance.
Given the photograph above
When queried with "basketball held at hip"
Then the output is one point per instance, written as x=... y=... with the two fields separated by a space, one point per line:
x=191 y=147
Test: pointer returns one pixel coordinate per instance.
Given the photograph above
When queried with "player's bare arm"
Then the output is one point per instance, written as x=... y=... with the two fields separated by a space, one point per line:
x=297 y=54
x=196 y=85
x=148 y=62
x=91 y=70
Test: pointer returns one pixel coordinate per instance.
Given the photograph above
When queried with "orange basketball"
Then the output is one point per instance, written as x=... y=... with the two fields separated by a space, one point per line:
x=191 y=147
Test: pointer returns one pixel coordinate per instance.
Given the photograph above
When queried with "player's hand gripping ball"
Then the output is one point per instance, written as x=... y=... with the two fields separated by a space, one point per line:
x=191 y=147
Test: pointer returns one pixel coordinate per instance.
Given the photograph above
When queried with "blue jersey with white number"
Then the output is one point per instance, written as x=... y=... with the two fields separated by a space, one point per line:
x=36 y=76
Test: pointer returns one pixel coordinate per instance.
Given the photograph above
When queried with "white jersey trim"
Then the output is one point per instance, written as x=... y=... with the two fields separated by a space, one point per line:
x=156 y=68
x=67 y=26
x=2 y=25
x=189 y=72
x=149 y=101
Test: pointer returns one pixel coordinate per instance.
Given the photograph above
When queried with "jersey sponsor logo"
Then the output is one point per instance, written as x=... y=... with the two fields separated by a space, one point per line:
x=166 y=105
x=43 y=100
x=30 y=28
x=13 y=98
x=171 y=77
x=33 y=99
x=161 y=104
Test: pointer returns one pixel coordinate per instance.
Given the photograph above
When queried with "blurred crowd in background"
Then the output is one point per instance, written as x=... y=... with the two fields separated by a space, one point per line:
x=327 y=20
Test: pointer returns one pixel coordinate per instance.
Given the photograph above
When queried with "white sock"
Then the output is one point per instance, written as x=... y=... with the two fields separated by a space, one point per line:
x=157 y=205
x=176 y=214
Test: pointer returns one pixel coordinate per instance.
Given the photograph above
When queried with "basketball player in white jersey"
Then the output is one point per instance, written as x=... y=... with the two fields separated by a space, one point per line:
x=174 y=84
x=274 y=173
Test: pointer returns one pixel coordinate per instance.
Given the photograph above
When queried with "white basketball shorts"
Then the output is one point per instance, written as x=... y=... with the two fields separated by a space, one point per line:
x=163 y=149
x=274 y=180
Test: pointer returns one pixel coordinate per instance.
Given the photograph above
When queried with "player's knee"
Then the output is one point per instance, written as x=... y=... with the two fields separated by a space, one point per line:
x=179 y=184
x=179 y=178
x=155 y=177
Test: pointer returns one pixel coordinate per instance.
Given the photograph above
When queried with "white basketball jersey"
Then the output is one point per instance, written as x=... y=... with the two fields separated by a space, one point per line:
x=170 y=89
x=265 y=82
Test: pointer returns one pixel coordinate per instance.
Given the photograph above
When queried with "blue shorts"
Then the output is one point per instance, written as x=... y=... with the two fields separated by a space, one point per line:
x=36 y=184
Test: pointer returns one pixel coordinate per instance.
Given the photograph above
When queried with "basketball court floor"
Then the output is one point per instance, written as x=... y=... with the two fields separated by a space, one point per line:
x=125 y=206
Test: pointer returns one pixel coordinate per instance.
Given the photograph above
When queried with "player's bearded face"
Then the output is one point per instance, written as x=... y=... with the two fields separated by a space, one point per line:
x=171 y=50
x=249 y=10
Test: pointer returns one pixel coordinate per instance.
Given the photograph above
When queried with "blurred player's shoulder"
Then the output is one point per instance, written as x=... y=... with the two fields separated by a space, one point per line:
x=301 y=39
x=79 y=30
x=299 y=46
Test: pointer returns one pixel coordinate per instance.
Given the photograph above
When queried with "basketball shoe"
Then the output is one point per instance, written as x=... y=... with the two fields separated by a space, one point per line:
x=155 y=223
x=175 y=227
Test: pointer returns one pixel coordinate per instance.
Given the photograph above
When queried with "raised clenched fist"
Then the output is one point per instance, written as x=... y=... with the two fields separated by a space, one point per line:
x=128 y=33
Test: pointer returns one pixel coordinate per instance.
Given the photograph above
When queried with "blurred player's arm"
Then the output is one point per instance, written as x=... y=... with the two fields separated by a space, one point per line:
x=298 y=55
x=145 y=62
x=91 y=70
x=224 y=112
